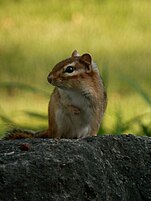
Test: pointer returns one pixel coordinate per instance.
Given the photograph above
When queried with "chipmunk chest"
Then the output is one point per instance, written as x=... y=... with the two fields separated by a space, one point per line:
x=75 y=107
x=73 y=101
x=73 y=115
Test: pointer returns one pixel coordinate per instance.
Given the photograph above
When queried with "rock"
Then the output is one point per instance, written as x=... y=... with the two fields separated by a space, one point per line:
x=103 y=168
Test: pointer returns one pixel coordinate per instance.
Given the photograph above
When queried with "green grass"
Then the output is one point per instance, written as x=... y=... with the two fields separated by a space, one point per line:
x=34 y=36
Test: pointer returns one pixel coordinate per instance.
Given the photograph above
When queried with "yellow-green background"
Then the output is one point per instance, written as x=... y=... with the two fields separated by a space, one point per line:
x=36 y=34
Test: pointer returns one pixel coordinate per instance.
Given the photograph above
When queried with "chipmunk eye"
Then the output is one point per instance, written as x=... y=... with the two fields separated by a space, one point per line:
x=69 y=69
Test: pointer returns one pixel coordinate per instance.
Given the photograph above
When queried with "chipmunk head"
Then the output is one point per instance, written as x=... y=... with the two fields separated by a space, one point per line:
x=72 y=72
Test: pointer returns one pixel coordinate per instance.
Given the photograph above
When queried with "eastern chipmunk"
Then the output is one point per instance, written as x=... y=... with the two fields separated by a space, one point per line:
x=78 y=102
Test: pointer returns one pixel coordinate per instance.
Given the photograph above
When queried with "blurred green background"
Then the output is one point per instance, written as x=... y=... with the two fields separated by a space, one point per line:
x=35 y=35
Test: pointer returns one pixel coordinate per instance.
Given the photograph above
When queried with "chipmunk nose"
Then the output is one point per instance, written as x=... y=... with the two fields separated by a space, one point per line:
x=49 y=78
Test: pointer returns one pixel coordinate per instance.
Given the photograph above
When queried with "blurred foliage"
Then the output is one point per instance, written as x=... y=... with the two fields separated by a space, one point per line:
x=35 y=35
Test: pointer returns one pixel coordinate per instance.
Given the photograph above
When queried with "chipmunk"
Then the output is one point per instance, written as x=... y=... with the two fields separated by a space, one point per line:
x=78 y=102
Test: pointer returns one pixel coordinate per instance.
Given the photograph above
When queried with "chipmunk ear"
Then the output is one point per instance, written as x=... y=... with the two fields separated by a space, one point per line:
x=86 y=58
x=75 y=53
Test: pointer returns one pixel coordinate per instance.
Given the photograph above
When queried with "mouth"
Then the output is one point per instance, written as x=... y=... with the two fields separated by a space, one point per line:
x=49 y=78
x=54 y=82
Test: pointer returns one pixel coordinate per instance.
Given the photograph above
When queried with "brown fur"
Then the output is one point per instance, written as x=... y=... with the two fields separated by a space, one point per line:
x=87 y=105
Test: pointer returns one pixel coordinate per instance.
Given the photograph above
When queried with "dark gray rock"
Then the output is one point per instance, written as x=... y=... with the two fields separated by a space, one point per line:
x=107 y=168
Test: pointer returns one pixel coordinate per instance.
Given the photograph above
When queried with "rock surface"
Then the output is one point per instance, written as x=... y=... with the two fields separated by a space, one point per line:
x=105 y=168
